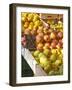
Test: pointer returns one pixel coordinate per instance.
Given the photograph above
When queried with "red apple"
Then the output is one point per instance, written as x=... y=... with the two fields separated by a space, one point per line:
x=53 y=35
x=53 y=45
x=59 y=45
x=60 y=35
x=27 y=31
x=61 y=41
x=40 y=46
x=38 y=39
x=46 y=38
x=55 y=41
x=50 y=30
x=46 y=46
x=33 y=32
x=41 y=35
x=39 y=30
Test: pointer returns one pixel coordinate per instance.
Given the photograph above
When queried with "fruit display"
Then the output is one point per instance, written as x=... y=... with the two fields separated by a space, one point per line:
x=45 y=36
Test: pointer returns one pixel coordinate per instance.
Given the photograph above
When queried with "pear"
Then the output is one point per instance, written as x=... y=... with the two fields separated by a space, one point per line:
x=36 y=53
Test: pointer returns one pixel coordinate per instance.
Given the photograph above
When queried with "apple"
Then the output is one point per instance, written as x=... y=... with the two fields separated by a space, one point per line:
x=30 y=17
x=46 y=52
x=53 y=57
x=27 y=31
x=36 y=17
x=61 y=41
x=26 y=24
x=35 y=27
x=40 y=27
x=24 y=17
x=33 y=32
x=60 y=35
x=45 y=31
x=30 y=27
x=36 y=53
x=47 y=68
x=51 y=72
x=46 y=38
x=54 y=67
x=41 y=54
x=41 y=35
x=44 y=61
x=62 y=51
x=52 y=35
x=24 y=14
x=55 y=41
x=58 y=62
x=59 y=45
x=60 y=57
x=40 y=46
x=50 y=31
x=58 y=51
x=39 y=31
x=37 y=22
x=54 y=51
x=53 y=45
x=39 y=39
x=46 y=46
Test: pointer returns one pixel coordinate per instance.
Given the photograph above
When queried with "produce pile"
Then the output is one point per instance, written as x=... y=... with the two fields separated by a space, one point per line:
x=48 y=39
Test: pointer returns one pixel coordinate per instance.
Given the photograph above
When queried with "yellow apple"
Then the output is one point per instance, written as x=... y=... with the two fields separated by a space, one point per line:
x=26 y=24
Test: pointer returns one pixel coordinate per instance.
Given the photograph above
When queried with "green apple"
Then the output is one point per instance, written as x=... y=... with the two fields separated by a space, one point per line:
x=58 y=62
x=51 y=73
x=53 y=57
x=53 y=51
x=36 y=53
x=58 y=51
x=44 y=60
x=60 y=57
x=47 y=68
x=46 y=52
x=41 y=54
x=62 y=51
x=61 y=70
